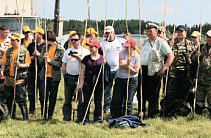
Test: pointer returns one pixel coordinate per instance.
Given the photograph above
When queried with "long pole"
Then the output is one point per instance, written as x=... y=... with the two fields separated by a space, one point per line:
x=168 y=68
x=16 y=68
x=141 y=80
x=45 y=64
x=197 y=72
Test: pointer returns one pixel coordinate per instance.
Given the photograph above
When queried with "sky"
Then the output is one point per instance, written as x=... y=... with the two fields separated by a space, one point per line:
x=188 y=11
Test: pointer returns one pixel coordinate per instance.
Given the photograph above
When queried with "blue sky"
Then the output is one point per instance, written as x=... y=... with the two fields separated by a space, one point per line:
x=188 y=12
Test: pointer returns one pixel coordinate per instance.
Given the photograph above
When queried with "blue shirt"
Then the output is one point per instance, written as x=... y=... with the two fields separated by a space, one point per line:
x=31 y=49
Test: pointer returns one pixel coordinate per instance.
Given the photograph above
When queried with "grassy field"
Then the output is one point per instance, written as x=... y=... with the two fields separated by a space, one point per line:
x=181 y=127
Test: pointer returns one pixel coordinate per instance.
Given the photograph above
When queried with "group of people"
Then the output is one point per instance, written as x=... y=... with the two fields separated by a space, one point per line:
x=80 y=63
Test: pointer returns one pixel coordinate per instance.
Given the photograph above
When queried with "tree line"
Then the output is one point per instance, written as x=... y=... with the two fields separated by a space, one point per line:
x=120 y=26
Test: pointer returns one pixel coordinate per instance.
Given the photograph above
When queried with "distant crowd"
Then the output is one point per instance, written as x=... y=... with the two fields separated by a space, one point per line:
x=111 y=70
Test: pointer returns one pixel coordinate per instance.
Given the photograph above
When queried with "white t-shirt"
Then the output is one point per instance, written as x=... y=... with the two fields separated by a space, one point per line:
x=112 y=51
x=73 y=65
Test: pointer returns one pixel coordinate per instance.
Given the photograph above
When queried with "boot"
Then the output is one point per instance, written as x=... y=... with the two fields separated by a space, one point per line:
x=31 y=108
x=24 y=112
x=51 y=110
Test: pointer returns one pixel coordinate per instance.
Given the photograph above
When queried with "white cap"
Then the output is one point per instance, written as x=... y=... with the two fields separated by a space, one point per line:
x=208 y=33
x=151 y=25
x=109 y=29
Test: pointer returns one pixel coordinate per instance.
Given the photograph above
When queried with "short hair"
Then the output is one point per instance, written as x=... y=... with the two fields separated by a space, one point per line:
x=4 y=27
x=51 y=36
x=79 y=35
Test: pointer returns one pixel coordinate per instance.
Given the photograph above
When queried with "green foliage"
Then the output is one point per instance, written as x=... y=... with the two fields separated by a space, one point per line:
x=181 y=127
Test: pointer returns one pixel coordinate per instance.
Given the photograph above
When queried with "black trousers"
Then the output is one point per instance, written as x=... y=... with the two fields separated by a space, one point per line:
x=150 y=91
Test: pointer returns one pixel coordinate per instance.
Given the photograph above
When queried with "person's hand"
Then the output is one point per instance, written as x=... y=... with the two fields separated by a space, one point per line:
x=46 y=57
x=75 y=55
x=80 y=87
x=104 y=60
x=36 y=53
x=160 y=72
x=198 y=54
x=171 y=43
x=128 y=61
x=18 y=64
x=2 y=74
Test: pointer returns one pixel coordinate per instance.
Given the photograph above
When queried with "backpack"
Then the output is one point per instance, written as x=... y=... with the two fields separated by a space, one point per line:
x=3 y=112
x=179 y=108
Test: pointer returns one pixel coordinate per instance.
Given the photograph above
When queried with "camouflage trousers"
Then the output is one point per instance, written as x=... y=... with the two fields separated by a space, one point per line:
x=177 y=88
x=203 y=92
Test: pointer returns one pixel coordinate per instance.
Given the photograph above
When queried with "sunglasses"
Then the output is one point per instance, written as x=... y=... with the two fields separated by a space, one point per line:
x=75 y=40
x=159 y=32
x=26 y=32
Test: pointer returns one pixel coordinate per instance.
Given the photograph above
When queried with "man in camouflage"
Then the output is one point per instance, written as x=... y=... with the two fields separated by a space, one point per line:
x=179 y=71
x=204 y=80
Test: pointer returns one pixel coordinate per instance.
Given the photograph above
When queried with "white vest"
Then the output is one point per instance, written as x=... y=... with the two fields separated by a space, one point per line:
x=4 y=46
x=156 y=59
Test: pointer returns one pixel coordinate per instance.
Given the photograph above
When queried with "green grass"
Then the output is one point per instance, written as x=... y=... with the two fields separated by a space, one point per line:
x=181 y=127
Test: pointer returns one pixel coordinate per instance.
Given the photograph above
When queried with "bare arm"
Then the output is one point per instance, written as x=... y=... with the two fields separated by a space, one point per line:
x=25 y=65
x=64 y=66
x=135 y=69
x=170 y=58
x=81 y=79
x=2 y=69
x=122 y=62
x=2 y=50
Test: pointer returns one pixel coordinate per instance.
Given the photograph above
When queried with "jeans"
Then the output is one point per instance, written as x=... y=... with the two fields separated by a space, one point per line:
x=70 y=85
x=108 y=92
x=120 y=92
x=88 y=88
x=31 y=86
x=51 y=93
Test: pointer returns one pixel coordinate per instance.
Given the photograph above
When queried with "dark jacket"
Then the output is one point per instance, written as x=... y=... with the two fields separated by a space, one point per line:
x=56 y=63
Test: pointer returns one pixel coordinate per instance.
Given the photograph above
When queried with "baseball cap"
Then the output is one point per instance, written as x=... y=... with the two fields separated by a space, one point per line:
x=26 y=29
x=39 y=30
x=72 y=32
x=94 y=43
x=15 y=36
x=208 y=33
x=91 y=30
x=151 y=25
x=109 y=29
x=195 y=34
x=181 y=27
x=130 y=42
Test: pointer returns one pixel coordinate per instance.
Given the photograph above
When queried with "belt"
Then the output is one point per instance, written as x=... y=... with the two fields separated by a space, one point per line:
x=72 y=75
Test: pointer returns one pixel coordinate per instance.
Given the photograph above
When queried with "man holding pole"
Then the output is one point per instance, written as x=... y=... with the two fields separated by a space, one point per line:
x=204 y=80
x=179 y=72
x=114 y=46
x=153 y=51
x=35 y=53
x=15 y=57
x=70 y=70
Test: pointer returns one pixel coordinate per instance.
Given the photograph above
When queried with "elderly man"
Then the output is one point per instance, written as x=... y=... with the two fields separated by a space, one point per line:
x=153 y=51
x=204 y=83
x=9 y=64
x=179 y=72
x=114 y=46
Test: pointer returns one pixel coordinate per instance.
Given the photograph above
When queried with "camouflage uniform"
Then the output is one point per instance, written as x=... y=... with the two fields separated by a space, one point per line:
x=204 y=80
x=179 y=73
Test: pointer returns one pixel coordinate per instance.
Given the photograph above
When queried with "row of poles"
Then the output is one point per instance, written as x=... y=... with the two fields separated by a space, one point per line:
x=104 y=52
